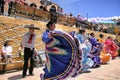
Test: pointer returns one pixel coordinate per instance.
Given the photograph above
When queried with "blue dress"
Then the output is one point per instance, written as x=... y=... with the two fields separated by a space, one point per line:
x=61 y=54
x=86 y=48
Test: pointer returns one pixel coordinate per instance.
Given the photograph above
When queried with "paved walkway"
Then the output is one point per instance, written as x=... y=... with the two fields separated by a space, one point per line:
x=110 y=71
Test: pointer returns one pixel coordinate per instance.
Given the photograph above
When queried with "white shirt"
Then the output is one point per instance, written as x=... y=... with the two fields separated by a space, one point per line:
x=25 y=41
x=7 y=50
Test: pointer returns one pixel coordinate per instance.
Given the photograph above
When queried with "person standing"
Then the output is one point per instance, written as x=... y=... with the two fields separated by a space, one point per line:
x=28 y=42
x=10 y=5
x=2 y=2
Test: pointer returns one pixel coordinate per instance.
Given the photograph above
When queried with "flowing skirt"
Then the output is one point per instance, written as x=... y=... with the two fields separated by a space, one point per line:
x=86 y=62
x=61 y=55
x=105 y=57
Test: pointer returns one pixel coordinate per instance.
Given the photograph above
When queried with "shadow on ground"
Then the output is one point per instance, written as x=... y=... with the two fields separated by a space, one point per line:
x=15 y=77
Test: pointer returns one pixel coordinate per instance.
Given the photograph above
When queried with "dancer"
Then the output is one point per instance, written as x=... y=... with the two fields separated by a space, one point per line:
x=86 y=49
x=104 y=56
x=96 y=50
x=111 y=47
x=61 y=52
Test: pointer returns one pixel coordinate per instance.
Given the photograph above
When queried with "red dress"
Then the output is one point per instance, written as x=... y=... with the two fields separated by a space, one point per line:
x=111 y=47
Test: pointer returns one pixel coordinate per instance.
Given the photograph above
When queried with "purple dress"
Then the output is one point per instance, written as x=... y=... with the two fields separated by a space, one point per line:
x=61 y=53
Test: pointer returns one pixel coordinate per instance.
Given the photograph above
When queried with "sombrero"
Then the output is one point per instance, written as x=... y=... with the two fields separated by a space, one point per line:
x=31 y=27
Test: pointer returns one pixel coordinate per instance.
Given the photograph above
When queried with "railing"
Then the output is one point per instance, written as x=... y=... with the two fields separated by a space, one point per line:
x=33 y=13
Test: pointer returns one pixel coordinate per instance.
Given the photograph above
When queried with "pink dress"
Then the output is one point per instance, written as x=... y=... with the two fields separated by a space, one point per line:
x=111 y=48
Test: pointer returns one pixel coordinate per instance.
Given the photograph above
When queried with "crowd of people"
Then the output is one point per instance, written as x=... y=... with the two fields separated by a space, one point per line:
x=10 y=5
x=67 y=54
x=85 y=51
x=54 y=13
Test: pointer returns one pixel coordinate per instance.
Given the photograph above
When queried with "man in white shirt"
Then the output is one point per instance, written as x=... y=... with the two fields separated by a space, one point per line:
x=28 y=42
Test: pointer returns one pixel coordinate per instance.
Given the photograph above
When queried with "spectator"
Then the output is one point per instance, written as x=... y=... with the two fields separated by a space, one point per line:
x=10 y=6
x=45 y=8
x=60 y=11
x=71 y=15
x=53 y=9
x=41 y=7
x=6 y=52
x=34 y=6
x=2 y=2
x=53 y=14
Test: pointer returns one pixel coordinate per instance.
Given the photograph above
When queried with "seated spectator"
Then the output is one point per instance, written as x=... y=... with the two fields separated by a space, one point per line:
x=60 y=11
x=41 y=7
x=71 y=15
x=33 y=5
x=45 y=8
x=66 y=15
x=6 y=52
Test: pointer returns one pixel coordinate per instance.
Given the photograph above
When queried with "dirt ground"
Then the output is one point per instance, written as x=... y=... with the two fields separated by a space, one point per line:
x=110 y=71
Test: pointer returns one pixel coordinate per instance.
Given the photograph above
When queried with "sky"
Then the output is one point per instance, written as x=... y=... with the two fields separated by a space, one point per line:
x=90 y=8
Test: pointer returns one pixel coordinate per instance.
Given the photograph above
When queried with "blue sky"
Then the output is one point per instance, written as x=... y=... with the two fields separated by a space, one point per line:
x=94 y=8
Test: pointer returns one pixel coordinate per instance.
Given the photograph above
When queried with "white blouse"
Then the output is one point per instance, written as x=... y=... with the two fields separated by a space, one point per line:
x=7 y=50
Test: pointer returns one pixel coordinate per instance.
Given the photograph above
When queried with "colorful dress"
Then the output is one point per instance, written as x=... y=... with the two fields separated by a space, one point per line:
x=61 y=53
x=111 y=48
x=86 y=48
x=95 y=52
x=104 y=56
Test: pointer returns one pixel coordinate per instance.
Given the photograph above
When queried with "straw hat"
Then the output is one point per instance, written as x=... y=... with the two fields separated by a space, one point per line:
x=31 y=27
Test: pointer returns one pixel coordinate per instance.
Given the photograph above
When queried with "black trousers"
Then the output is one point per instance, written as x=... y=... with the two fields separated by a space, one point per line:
x=28 y=54
x=10 y=8
x=2 y=2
